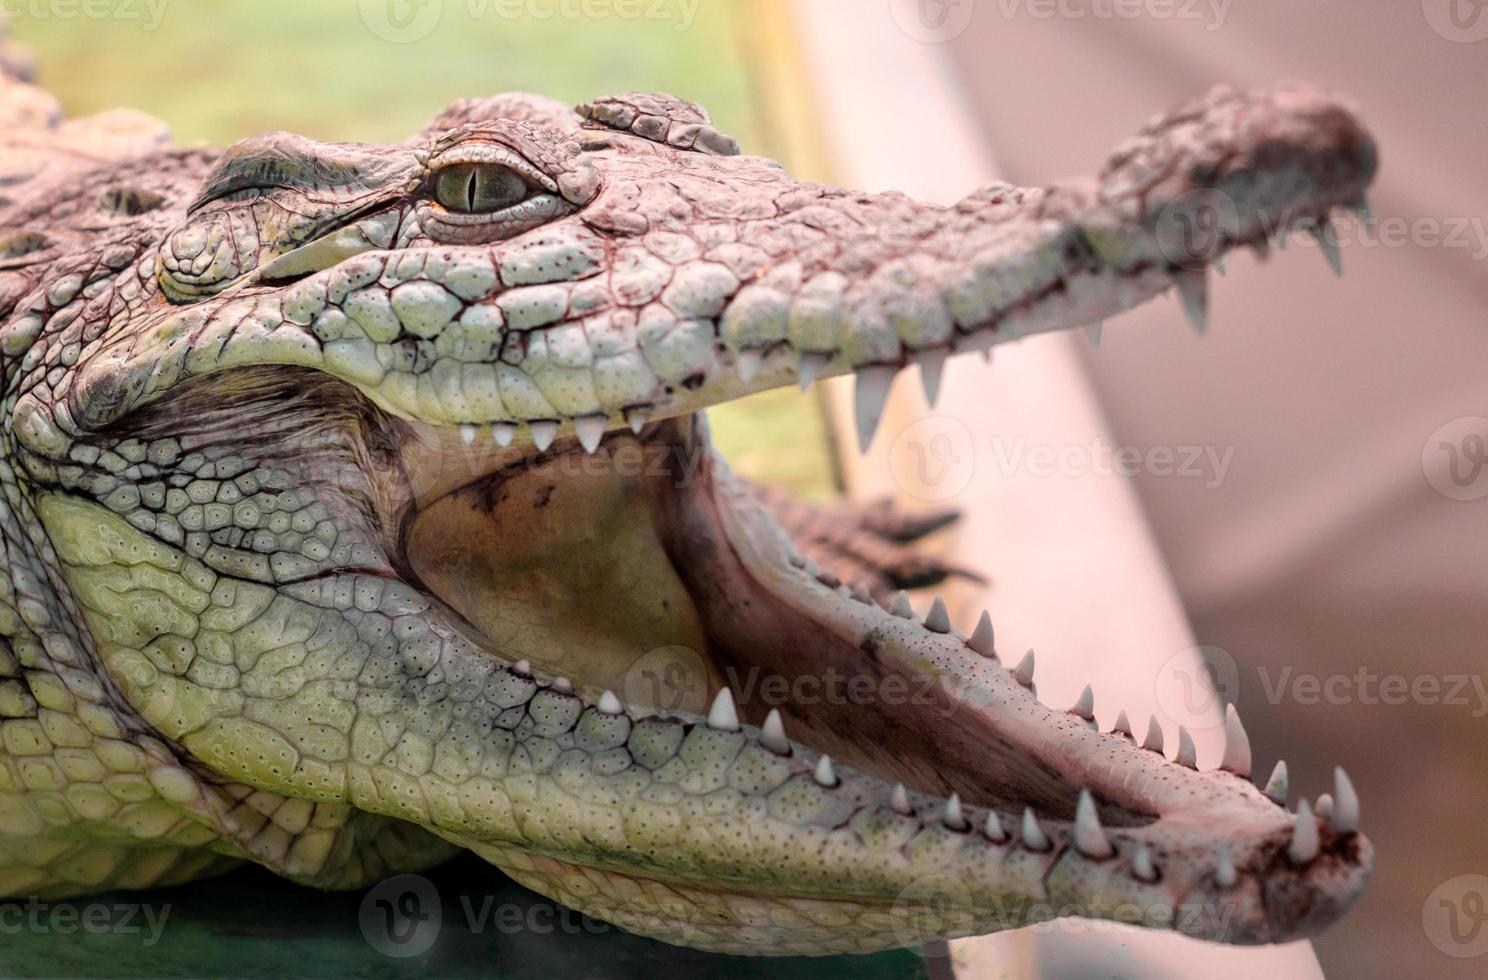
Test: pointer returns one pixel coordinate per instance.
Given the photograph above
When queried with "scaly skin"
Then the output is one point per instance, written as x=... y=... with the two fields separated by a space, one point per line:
x=315 y=485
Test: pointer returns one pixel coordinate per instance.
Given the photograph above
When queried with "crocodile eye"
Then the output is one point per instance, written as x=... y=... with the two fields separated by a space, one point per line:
x=474 y=188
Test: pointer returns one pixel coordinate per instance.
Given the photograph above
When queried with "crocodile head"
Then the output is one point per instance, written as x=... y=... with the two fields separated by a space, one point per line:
x=365 y=487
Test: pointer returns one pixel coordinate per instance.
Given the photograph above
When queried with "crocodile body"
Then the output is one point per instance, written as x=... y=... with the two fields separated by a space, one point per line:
x=357 y=508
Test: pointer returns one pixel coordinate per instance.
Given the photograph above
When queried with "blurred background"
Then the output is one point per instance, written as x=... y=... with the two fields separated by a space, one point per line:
x=1324 y=561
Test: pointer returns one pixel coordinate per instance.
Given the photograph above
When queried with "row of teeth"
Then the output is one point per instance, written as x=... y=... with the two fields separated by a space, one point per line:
x=874 y=380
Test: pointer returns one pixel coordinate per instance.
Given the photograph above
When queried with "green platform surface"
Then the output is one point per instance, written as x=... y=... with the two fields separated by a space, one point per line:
x=218 y=71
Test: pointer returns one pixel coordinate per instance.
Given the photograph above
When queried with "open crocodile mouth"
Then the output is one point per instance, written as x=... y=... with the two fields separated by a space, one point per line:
x=569 y=638
x=643 y=578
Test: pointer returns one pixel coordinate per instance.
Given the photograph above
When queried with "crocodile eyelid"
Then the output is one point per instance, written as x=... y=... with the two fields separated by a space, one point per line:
x=485 y=151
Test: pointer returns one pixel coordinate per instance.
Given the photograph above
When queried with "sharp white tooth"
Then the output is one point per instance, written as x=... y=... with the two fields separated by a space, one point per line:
x=937 y=620
x=1329 y=248
x=1187 y=754
x=544 y=431
x=1090 y=839
x=981 y=640
x=1345 y=818
x=1224 y=869
x=1023 y=673
x=1237 y=744
x=1193 y=289
x=871 y=392
x=749 y=363
x=1141 y=865
x=522 y=667
x=636 y=419
x=1093 y=333
x=860 y=593
x=1084 y=706
x=824 y=774
x=899 y=800
x=810 y=368
x=1324 y=806
x=467 y=434
x=1123 y=725
x=609 y=704
x=1304 y=845
x=901 y=606
x=951 y=816
x=932 y=363
x=562 y=685
x=1154 y=739
x=591 y=429
x=993 y=829
x=503 y=433
x=721 y=715
x=1276 y=786
x=772 y=735
x=1033 y=835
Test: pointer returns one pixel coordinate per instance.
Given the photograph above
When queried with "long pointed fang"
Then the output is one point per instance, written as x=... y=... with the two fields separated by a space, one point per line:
x=1345 y=817
x=1093 y=333
x=1237 y=744
x=1187 y=754
x=544 y=431
x=1276 y=786
x=591 y=429
x=872 y=392
x=636 y=419
x=1304 y=845
x=722 y=715
x=1033 y=835
x=1084 y=706
x=901 y=606
x=1123 y=725
x=937 y=620
x=993 y=829
x=1023 y=673
x=932 y=363
x=981 y=640
x=951 y=816
x=824 y=774
x=503 y=433
x=1193 y=289
x=809 y=368
x=772 y=735
x=1329 y=248
x=899 y=800
x=1090 y=839
x=1154 y=740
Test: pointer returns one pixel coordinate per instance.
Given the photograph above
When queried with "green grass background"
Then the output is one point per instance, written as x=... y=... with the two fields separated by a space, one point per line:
x=217 y=71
